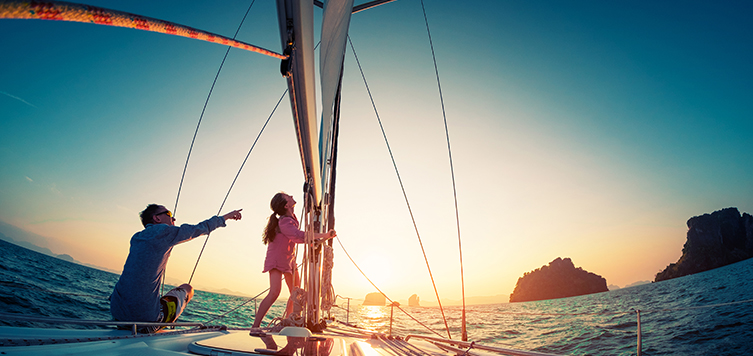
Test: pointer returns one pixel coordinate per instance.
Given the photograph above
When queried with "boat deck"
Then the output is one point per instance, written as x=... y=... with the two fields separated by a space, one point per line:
x=332 y=342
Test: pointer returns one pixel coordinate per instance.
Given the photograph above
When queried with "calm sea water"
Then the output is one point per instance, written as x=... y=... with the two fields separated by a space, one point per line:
x=675 y=318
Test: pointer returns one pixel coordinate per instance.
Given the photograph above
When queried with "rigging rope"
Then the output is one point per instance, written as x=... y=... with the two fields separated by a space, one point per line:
x=328 y=293
x=236 y=177
x=464 y=334
x=204 y=109
x=65 y=11
x=402 y=187
x=380 y=291
x=247 y=155
x=238 y=307
x=196 y=132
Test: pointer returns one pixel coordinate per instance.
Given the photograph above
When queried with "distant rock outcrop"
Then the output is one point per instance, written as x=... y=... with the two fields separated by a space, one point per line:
x=413 y=301
x=560 y=279
x=66 y=257
x=374 y=299
x=635 y=284
x=714 y=240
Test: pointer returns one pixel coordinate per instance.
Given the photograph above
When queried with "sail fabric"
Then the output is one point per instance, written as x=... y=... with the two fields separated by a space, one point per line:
x=298 y=14
x=304 y=32
x=335 y=24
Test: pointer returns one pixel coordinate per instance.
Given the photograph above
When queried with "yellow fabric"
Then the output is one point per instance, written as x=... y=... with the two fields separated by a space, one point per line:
x=171 y=308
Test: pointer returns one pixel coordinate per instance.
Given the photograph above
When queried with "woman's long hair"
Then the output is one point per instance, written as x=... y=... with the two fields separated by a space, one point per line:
x=278 y=207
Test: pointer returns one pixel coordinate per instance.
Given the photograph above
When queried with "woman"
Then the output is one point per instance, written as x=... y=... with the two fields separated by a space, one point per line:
x=280 y=236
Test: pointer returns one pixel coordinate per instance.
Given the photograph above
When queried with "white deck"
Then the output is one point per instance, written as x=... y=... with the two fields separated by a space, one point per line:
x=335 y=342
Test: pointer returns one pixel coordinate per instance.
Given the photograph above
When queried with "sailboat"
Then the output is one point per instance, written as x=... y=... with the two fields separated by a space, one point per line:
x=311 y=333
x=317 y=161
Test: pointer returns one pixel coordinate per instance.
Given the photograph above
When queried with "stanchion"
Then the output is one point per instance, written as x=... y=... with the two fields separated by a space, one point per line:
x=392 y=308
x=347 y=313
x=638 y=312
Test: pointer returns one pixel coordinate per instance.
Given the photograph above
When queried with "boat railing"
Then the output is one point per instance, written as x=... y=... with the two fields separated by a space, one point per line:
x=639 y=332
x=347 y=309
x=134 y=326
x=468 y=346
x=446 y=343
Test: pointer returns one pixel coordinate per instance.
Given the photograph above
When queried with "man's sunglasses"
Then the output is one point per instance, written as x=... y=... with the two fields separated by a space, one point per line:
x=168 y=212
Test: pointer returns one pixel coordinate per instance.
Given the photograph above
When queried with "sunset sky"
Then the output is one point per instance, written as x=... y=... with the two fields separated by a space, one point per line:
x=591 y=130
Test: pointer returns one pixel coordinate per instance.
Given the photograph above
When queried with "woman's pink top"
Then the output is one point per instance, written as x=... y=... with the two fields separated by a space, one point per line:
x=281 y=251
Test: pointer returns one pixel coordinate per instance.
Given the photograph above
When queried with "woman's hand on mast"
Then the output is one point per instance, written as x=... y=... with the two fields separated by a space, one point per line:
x=233 y=215
x=326 y=236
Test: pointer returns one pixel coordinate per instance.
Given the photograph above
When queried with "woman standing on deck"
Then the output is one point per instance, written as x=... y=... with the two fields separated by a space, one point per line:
x=280 y=236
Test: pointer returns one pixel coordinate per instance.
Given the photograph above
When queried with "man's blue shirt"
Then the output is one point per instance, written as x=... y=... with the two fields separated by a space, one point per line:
x=136 y=295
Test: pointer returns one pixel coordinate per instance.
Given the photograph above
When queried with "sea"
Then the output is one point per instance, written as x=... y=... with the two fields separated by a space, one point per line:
x=709 y=313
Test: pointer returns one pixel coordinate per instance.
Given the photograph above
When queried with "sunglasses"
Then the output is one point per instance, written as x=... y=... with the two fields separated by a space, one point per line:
x=168 y=212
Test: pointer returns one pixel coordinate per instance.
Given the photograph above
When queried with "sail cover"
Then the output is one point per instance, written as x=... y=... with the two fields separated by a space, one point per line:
x=335 y=24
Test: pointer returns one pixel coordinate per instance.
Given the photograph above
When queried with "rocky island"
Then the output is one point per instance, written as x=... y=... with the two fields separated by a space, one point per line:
x=714 y=240
x=559 y=279
x=373 y=299
x=413 y=301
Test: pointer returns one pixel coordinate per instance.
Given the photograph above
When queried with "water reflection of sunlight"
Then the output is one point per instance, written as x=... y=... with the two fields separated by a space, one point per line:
x=372 y=312
x=374 y=318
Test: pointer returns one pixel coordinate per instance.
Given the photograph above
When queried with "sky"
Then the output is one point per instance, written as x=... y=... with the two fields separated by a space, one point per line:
x=590 y=130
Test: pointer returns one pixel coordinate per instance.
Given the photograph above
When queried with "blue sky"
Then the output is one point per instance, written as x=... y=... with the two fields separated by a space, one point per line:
x=590 y=130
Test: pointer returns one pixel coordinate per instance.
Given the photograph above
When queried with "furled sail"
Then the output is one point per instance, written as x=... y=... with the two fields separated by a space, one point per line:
x=296 y=28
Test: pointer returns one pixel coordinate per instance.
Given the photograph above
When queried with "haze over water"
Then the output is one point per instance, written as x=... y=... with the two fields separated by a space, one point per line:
x=674 y=314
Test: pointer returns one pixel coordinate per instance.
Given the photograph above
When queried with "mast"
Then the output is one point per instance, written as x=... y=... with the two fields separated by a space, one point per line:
x=335 y=24
x=317 y=158
x=296 y=24
x=297 y=36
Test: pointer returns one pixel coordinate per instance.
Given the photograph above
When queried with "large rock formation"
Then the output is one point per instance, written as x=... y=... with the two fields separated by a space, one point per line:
x=374 y=299
x=714 y=240
x=413 y=301
x=559 y=279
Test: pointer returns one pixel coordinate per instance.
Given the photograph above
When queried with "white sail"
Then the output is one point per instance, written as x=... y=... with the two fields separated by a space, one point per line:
x=335 y=24
x=299 y=14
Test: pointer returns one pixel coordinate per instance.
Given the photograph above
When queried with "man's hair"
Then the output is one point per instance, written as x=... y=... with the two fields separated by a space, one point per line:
x=147 y=216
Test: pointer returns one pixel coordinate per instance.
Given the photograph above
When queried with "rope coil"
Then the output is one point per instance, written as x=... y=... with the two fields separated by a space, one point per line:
x=328 y=298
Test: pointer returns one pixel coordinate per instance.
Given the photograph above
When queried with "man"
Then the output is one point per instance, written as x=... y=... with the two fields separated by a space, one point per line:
x=136 y=295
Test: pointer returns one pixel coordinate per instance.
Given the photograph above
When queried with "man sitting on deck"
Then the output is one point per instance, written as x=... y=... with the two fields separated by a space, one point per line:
x=136 y=295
